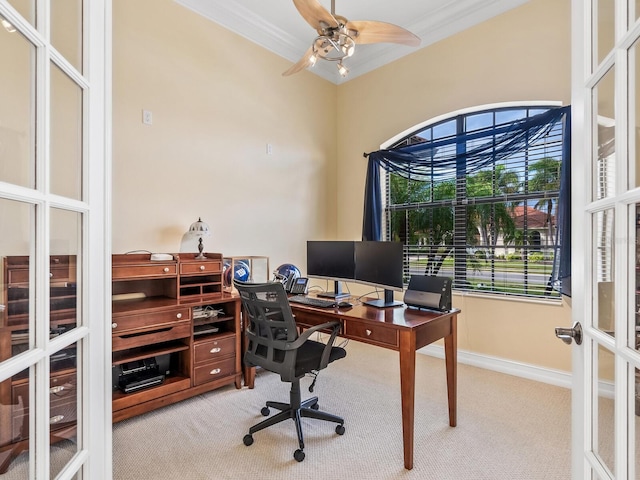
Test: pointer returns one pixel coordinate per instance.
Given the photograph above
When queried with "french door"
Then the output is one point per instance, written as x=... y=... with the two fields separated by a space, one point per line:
x=606 y=260
x=55 y=414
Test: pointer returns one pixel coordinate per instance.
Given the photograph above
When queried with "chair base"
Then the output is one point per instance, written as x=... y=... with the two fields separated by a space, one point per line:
x=294 y=410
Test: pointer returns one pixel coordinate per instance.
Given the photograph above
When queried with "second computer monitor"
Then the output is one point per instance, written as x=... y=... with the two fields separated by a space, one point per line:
x=379 y=264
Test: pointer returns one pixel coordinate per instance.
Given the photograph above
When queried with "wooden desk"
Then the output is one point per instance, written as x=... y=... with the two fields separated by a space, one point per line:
x=401 y=329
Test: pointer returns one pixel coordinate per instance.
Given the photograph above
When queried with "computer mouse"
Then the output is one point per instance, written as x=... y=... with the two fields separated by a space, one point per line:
x=345 y=305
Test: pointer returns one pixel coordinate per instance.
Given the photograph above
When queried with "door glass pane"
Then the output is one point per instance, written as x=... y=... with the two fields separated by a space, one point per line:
x=66 y=135
x=603 y=406
x=14 y=422
x=634 y=115
x=605 y=131
x=16 y=296
x=65 y=278
x=634 y=11
x=17 y=97
x=64 y=274
x=66 y=30
x=26 y=8
x=64 y=405
x=603 y=295
x=634 y=419
x=634 y=337
x=605 y=28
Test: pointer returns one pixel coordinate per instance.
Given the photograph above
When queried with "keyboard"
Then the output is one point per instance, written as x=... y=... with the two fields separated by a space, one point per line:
x=313 y=301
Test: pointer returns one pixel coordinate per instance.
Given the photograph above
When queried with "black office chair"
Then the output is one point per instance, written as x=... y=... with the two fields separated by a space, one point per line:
x=275 y=345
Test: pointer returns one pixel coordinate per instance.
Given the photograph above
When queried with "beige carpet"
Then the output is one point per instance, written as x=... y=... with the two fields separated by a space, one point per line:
x=508 y=428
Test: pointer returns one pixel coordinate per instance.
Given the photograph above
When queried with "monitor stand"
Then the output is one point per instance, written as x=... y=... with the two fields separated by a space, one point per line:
x=337 y=292
x=385 y=302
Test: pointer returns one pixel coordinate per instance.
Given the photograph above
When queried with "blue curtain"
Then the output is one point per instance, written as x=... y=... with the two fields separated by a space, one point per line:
x=561 y=274
x=420 y=160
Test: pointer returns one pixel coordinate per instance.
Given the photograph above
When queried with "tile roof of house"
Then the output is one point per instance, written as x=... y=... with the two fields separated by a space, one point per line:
x=535 y=218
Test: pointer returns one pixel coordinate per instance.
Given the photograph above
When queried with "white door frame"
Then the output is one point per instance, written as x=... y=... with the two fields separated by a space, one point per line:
x=587 y=387
x=93 y=458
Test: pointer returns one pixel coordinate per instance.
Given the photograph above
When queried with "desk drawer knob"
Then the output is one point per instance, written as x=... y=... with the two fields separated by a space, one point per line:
x=179 y=315
x=215 y=350
x=215 y=371
x=114 y=325
x=202 y=268
x=56 y=419
x=166 y=270
x=368 y=332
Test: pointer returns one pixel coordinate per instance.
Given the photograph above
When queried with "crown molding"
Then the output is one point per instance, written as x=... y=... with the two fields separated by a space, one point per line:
x=448 y=19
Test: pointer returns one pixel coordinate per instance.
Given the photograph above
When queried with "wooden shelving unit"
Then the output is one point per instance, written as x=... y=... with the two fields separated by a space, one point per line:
x=154 y=334
x=158 y=329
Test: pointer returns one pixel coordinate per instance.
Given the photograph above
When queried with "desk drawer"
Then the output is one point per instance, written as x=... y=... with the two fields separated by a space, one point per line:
x=214 y=370
x=61 y=416
x=63 y=390
x=149 y=320
x=214 y=349
x=131 y=272
x=200 y=267
x=371 y=333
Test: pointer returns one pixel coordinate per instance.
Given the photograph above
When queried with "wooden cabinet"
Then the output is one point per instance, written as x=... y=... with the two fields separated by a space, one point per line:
x=15 y=295
x=176 y=334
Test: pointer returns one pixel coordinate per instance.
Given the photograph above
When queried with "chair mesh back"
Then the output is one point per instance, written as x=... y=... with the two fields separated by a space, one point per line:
x=269 y=327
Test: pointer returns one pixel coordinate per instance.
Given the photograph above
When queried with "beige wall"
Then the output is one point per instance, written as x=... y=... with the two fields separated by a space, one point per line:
x=218 y=99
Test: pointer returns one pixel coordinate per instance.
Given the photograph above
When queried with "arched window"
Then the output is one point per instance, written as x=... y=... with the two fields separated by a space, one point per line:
x=465 y=194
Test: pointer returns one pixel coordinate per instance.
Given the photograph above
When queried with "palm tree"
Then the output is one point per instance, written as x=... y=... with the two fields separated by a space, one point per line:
x=546 y=177
x=489 y=183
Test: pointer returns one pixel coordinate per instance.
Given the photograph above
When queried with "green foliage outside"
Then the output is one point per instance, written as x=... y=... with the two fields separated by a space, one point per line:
x=423 y=218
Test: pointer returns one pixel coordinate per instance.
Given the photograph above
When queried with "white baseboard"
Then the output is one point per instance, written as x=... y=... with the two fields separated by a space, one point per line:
x=531 y=372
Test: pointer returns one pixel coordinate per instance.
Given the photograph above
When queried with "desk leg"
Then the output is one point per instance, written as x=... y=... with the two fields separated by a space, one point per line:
x=249 y=376
x=451 y=360
x=408 y=390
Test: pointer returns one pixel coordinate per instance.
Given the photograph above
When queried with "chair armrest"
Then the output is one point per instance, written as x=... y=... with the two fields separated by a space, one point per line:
x=335 y=328
x=334 y=325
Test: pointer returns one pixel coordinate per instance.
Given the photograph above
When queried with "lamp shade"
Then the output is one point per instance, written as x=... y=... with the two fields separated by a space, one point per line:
x=191 y=239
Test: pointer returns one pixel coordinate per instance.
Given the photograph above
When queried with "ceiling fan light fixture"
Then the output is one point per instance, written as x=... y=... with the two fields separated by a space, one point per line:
x=337 y=36
x=347 y=45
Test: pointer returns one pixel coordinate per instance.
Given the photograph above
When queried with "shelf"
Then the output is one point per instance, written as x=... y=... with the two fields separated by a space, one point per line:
x=171 y=384
x=145 y=303
x=141 y=353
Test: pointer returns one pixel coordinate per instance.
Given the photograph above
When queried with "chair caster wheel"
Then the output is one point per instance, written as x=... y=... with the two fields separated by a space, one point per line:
x=298 y=455
x=248 y=439
x=315 y=406
x=265 y=411
x=340 y=429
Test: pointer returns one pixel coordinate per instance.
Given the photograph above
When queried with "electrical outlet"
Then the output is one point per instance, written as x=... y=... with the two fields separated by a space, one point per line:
x=147 y=117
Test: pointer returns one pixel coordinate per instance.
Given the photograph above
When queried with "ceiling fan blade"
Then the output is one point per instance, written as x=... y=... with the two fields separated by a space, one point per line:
x=301 y=64
x=381 y=32
x=315 y=14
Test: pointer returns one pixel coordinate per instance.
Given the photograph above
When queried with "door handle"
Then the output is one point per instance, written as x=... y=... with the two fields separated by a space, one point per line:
x=568 y=334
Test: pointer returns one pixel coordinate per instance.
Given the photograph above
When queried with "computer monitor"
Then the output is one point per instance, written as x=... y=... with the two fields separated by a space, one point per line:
x=331 y=260
x=380 y=264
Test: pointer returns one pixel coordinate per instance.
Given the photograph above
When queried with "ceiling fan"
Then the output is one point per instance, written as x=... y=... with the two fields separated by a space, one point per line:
x=338 y=37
